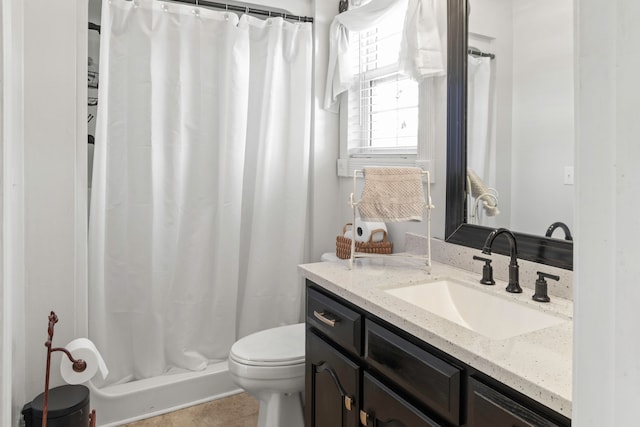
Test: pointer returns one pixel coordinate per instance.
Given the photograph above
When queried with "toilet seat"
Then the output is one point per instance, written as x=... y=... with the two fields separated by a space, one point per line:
x=281 y=346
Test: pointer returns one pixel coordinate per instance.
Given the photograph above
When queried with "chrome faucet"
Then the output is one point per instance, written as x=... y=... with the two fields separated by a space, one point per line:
x=552 y=227
x=513 y=286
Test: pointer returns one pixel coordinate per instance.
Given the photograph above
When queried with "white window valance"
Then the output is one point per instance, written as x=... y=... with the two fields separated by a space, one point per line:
x=340 y=72
x=421 y=51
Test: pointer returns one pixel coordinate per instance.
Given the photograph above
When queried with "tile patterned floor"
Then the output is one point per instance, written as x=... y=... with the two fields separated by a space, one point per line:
x=240 y=410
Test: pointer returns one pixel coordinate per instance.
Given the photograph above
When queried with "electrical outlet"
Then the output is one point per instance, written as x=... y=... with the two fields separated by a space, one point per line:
x=568 y=175
x=343 y=167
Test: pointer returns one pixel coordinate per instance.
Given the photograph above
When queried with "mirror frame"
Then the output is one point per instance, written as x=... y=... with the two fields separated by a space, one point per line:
x=540 y=249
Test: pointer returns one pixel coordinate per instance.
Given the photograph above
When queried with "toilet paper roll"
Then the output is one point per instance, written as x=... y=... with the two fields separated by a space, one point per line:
x=364 y=229
x=82 y=348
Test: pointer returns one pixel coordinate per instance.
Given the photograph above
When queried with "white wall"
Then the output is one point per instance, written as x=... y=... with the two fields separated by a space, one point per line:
x=325 y=218
x=4 y=344
x=606 y=373
x=543 y=122
x=48 y=131
x=51 y=142
x=13 y=213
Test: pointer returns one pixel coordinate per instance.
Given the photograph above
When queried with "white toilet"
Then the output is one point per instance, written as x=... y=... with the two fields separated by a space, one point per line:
x=269 y=365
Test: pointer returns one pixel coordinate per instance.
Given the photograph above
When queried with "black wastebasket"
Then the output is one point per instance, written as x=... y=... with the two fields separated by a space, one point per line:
x=68 y=406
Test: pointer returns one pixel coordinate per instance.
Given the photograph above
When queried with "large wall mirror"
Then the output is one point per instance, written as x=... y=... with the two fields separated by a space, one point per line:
x=510 y=127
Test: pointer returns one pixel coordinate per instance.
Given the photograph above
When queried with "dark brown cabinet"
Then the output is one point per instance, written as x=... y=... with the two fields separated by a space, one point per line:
x=489 y=407
x=361 y=371
x=417 y=372
x=358 y=373
x=382 y=407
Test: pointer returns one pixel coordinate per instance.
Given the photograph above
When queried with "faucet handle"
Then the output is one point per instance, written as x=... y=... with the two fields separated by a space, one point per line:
x=487 y=271
x=540 y=294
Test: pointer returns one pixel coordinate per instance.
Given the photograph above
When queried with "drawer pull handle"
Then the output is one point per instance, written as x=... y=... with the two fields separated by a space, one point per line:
x=348 y=403
x=364 y=418
x=321 y=317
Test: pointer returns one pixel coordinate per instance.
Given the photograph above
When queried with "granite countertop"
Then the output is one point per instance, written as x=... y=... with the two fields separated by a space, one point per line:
x=538 y=364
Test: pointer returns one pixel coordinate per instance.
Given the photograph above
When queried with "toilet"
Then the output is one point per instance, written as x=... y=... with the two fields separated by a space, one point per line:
x=269 y=365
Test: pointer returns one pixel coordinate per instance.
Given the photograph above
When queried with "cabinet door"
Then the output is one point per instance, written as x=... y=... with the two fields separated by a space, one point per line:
x=331 y=389
x=382 y=407
x=488 y=407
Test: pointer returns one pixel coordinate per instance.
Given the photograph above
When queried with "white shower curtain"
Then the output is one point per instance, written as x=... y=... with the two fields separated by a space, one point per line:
x=481 y=153
x=199 y=197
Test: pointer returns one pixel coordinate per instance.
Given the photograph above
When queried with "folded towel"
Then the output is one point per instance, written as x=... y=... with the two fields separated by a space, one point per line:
x=392 y=194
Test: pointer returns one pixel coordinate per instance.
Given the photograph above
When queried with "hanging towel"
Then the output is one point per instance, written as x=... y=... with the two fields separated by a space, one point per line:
x=392 y=194
x=478 y=189
x=422 y=53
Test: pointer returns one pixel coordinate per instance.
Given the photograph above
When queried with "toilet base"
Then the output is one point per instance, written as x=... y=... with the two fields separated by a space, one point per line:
x=280 y=410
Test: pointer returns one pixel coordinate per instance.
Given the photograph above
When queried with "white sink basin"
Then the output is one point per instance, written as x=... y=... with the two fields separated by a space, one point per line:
x=489 y=315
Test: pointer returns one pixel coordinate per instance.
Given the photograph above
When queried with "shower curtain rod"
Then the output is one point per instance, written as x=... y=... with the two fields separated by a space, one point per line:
x=477 y=52
x=246 y=10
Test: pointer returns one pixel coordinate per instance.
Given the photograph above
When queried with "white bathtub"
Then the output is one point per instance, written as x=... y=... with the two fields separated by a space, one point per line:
x=124 y=403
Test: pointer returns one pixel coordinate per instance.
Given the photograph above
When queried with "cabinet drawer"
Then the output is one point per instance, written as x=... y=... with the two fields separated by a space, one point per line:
x=382 y=407
x=488 y=407
x=336 y=321
x=426 y=377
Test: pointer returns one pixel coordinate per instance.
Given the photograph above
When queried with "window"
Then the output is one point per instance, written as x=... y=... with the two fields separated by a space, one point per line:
x=381 y=111
x=382 y=102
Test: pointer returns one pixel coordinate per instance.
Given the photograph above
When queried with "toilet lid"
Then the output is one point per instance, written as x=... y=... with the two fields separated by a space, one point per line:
x=283 y=345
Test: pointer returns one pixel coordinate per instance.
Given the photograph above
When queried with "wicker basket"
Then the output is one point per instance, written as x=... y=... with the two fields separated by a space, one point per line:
x=343 y=244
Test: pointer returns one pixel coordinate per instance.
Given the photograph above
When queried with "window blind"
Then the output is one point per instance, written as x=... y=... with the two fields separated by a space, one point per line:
x=382 y=102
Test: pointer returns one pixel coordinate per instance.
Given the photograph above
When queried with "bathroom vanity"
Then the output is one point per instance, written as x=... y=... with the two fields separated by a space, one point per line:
x=378 y=358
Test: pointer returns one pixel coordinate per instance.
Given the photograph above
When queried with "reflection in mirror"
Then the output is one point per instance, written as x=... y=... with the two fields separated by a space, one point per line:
x=510 y=127
x=520 y=114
